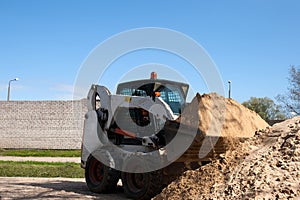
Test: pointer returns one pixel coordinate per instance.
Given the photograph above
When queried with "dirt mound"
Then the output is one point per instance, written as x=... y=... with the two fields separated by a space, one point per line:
x=264 y=166
x=217 y=113
x=221 y=123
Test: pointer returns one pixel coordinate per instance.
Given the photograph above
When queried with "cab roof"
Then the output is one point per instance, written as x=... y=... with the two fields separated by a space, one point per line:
x=153 y=85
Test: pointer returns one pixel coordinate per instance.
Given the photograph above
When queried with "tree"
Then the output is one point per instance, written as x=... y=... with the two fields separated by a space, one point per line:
x=265 y=107
x=291 y=100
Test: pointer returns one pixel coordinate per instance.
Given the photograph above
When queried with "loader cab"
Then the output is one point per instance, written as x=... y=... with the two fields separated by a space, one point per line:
x=173 y=93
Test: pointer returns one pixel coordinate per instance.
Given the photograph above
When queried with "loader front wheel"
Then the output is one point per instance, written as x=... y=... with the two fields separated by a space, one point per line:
x=142 y=185
x=99 y=177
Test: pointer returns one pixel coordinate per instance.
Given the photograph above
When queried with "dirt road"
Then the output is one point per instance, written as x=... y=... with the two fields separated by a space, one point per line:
x=50 y=188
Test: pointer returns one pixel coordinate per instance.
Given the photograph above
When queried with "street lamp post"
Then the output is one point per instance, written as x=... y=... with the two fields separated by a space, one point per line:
x=229 y=89
x=8 y=93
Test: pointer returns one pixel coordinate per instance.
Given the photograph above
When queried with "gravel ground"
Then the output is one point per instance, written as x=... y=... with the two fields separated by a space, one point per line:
x=50 y=188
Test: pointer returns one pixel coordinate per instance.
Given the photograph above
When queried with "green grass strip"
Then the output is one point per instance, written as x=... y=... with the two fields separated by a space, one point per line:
x=39 y=153
x=40 y=169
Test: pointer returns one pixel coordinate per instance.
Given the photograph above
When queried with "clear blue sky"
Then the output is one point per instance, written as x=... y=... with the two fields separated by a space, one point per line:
x=44 y=43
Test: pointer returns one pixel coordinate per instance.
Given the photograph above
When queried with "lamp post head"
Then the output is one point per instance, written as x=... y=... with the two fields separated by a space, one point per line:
x=15 y=79
x=229 y=81
x=8 y=93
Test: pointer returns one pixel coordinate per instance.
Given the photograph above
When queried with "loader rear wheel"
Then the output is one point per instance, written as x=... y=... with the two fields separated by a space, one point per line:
x=142 y=185
x=99 y=177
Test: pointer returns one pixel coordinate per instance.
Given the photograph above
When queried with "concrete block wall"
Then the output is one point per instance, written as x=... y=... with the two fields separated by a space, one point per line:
x=42 y=124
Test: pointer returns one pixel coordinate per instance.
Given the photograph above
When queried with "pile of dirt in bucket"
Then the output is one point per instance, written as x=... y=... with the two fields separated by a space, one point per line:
x=221 y=124
x=265 y=166
x=219 y=116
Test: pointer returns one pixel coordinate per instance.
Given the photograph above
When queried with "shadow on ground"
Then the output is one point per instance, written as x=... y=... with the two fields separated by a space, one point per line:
x=56 y=189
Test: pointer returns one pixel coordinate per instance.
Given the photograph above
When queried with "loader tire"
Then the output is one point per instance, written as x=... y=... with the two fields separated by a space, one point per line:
x=99 y=177
x=142 y=185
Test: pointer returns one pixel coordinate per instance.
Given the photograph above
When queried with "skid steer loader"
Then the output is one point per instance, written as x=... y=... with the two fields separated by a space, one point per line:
x=136 y=135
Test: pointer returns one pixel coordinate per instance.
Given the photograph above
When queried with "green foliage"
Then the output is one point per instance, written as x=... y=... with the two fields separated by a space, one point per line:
x=39 y=153
x=40 y=169
x=265 y=107
x=291 y=100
